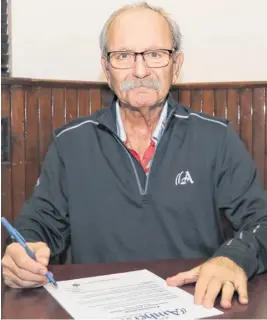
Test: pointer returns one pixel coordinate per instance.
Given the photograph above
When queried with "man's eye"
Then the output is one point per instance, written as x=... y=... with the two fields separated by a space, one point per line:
x=123 y=55
x=154 y=54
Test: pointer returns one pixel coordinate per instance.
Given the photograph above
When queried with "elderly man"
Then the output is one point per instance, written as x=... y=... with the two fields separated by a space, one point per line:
x=146 y=177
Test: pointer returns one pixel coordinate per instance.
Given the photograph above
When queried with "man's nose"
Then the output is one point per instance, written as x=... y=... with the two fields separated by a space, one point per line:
x=140 y=69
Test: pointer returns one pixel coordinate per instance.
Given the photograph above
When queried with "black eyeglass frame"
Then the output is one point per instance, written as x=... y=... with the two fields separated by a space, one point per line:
x=170 y=51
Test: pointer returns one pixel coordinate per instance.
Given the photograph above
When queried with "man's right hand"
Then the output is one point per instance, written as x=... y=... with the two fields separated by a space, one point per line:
x=21 y=271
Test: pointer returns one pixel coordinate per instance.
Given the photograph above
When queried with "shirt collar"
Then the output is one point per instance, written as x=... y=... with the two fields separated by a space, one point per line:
x=158 y=130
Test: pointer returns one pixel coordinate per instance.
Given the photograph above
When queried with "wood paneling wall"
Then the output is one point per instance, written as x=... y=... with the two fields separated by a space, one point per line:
x=34 y=108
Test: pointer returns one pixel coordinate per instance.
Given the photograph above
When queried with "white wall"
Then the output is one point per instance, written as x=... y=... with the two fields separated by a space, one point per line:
x=224 y=40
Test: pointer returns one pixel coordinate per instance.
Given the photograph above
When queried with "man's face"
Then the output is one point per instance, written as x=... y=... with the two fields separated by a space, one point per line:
x=139 y=30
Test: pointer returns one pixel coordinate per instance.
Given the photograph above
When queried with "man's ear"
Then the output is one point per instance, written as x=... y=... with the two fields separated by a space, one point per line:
x=178 y=59
x=105 y=67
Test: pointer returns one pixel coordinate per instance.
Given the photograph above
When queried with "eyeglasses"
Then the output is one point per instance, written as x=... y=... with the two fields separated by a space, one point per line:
x=153 y=58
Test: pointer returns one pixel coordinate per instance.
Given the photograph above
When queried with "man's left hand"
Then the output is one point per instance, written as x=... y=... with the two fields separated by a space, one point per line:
x=211 y=277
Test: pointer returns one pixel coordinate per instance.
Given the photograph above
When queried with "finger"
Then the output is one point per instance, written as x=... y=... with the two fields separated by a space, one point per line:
x=42 y=255
x=213 y=289
x=228 y=290
x=10 y=284
x=242 y=290
x=23 y=261
x=201 y=287
x=21 y=273
x=13 y=281
x=184 y=277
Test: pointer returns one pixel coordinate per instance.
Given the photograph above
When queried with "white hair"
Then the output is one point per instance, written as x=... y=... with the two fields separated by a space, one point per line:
x=174 y=28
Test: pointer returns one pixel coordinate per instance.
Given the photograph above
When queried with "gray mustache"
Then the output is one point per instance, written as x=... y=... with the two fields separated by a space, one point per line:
x=128 y=85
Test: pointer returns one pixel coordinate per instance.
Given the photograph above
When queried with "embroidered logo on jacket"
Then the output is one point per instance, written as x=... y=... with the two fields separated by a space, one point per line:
x=184 y=177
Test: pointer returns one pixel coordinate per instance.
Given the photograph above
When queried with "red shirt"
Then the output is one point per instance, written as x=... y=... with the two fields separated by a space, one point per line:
x=150 y=151
x=147 y=157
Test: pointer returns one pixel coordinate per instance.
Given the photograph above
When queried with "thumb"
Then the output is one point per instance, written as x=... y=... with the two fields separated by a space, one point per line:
x=184 y=277
x=42 y=252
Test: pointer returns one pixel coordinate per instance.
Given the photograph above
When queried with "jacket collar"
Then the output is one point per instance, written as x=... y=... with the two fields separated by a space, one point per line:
x=108 y=117
x=158 y=130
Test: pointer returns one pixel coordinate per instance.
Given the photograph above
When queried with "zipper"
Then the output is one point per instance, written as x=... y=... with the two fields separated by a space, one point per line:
x=147 y=178
x=142 y=191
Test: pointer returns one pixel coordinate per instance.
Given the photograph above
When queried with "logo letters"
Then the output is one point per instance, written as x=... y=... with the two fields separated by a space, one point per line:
x=183 y=177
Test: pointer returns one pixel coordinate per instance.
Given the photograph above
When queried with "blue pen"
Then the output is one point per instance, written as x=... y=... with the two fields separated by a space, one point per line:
x=18 y=237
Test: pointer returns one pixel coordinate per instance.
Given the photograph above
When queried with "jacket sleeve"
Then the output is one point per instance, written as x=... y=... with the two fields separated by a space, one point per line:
x=45 y=216
x=240 y=195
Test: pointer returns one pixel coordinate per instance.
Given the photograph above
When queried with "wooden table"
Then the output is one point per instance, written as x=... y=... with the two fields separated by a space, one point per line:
x=37 y=303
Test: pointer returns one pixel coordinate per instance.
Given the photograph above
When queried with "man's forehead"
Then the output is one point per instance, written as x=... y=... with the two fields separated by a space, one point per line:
x=140 y=28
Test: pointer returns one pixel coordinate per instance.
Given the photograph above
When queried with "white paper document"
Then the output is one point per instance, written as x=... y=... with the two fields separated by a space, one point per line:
x=135 y=295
